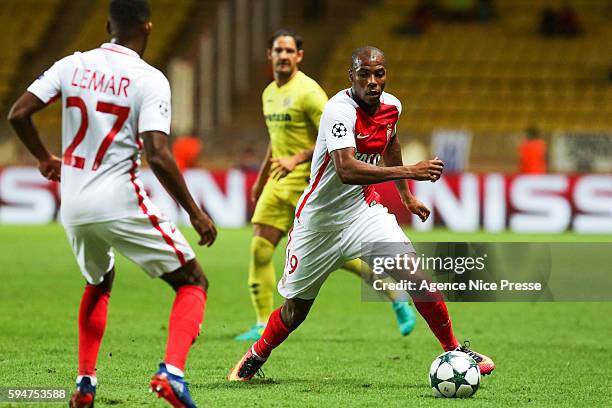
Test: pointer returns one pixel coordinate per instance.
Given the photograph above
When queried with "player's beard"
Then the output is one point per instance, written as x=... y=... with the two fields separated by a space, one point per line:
x=285 y=71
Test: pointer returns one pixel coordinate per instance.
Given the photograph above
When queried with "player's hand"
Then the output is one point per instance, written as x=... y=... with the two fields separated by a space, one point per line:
x=51 y=168
x=417 y=208
x=428 y=170
x=282 y=166
x=205 y=228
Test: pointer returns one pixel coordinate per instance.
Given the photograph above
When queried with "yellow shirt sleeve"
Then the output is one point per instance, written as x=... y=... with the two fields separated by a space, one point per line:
x=313 y=103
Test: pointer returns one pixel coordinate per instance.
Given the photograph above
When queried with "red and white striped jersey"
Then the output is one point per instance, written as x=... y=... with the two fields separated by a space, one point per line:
x=327 y=204
x=109 y=95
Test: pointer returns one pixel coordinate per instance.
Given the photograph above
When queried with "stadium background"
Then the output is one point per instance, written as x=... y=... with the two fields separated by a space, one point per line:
x=475 y=73
x=473 y=76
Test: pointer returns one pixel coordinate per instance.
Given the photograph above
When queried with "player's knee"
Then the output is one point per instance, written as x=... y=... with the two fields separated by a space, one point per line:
x=262 y=251
x=202 y=281
x=354 y=266
x=293 y=315
x=197 y=277
x=189 y=274
x=107 y=281
x=193 y=280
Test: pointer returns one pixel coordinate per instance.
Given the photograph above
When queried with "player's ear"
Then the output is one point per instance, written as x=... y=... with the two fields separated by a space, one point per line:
x=351 y=75
x=269 y=54
x=300 y=56
x=108 y=27
x=148 y=27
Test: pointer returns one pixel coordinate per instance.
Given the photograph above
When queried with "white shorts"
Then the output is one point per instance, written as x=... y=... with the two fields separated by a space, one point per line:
x=311 y=256
x=155 y=244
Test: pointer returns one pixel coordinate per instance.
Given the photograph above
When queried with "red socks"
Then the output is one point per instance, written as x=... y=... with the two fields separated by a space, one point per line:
x=92 y=322
x=185 y=320
x=434 y=311
x=436 y=315
x=274 y=334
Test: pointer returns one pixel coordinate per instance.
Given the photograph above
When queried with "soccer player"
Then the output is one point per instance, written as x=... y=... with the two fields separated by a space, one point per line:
x=338 y=213
x=114 y=105
x=292 y=107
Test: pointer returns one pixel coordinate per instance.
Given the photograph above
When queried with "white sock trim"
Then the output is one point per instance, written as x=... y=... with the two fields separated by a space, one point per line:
x=93 y=378
x=257 y=355
x=174 y=370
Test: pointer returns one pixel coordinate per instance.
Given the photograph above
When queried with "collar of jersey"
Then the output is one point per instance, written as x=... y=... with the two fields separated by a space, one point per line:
x=120 y=49
x=292 y=80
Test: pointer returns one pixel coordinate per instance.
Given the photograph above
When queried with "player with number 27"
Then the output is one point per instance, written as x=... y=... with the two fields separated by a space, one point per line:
x=114 y=105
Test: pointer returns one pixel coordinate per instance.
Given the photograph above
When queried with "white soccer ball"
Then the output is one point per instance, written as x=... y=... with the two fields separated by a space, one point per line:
x=454 y=374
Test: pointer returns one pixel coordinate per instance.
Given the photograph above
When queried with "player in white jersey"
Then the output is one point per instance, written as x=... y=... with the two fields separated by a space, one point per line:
x=114 y=105
x=339 y=212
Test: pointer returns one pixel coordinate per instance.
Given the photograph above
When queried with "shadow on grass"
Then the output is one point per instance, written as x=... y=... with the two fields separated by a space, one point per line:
x=225 y=336
x=306 y=384
x=109 y=401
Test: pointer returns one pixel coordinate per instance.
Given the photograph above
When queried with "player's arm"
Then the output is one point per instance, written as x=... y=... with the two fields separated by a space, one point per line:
x=167 y=172
x=338 y=127
x=154 y=123
x=353 y=171
x=20 y=118
x=313 y=102
x=282 y=166
x=393 y=157
x=262 y=175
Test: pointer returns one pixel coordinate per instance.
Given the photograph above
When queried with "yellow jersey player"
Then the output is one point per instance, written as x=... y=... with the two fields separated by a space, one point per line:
x=292 y=107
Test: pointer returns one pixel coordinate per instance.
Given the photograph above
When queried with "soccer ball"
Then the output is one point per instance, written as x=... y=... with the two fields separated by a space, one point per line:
x=454 y=374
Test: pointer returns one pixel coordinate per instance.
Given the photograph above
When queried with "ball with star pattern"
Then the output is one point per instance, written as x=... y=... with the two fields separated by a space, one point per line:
x=454 y=374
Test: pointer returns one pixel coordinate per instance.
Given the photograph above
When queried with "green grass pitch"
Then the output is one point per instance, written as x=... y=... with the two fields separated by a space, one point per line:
x=347 y=354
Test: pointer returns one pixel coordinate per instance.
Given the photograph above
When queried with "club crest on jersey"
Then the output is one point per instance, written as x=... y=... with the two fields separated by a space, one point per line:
x=339 y=130
x=287 y=102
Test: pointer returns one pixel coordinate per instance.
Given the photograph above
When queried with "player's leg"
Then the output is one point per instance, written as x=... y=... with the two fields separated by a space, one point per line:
x=432 y=307
x=96 y=262
x=310 y=258
x=186 y=317
x=187 y=314
x=378 y=226
x=262 y=277
x=405 y=316
x=282 y=322
x=272 y=218
x=159 y=248
x=93 y=312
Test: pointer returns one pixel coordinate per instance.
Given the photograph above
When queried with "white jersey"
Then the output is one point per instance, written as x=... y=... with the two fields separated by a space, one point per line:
x=109 y=95
x=327 y=204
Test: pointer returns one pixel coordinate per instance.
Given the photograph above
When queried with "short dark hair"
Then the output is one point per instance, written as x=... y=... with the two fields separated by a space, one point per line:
x=283 y=32
x=129 y=13
x=360 y=52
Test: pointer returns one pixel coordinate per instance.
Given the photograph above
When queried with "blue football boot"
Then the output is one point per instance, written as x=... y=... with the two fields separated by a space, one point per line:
x=406 y=318
x=84 y=395
x=172 y=388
